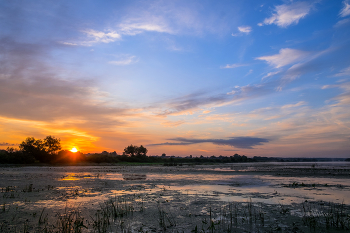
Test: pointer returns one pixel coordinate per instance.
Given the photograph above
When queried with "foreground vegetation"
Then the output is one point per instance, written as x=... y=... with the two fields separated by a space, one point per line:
x=130 y=213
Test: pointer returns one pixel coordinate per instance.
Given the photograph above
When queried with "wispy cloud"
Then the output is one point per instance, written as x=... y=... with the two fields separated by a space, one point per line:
x=100 y=37
x=345 y=11
x=231 y=92
x=125 y=60
x=165 y=17
x=173 y=123
x=249 y=72
x=343 y=72
x=270 y=74
x=286 y=15
x=284 y=57
x=137 y=27
x=300 y=103
x=237 y=142
x=232 y=66
x=342 y=23
x=192 y=102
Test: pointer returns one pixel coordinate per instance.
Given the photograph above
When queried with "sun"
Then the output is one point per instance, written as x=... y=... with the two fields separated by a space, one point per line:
x=74 y=150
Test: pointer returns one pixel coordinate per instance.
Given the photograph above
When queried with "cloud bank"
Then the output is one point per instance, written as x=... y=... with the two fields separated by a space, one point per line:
x=237 y=142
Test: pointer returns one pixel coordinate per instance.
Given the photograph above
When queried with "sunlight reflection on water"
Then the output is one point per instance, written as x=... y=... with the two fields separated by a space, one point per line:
x=97 y=183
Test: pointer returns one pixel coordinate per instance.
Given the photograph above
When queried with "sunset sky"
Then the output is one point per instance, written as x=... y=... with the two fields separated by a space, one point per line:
x=259 y=78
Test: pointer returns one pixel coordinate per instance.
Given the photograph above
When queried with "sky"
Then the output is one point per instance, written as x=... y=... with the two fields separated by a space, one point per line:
x=256 y=78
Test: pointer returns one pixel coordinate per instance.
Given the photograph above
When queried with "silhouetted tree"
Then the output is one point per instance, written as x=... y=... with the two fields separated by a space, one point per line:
x=130 y=150
x=42 y=150
x=135 y=150
x=32 y=147
x=52 y=144
x=141 y=151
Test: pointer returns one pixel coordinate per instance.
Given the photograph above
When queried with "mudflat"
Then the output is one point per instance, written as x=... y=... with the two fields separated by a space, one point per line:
x=251 y=197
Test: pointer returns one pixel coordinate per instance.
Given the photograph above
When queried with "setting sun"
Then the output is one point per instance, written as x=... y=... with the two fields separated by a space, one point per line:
x=74 y=150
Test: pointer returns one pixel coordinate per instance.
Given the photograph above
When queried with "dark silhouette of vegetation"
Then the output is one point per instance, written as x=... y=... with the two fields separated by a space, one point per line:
x=12 y=156
x=44 y=151
x=136 y=151
x=33 y=150
x=48 y=150
x=66 y=156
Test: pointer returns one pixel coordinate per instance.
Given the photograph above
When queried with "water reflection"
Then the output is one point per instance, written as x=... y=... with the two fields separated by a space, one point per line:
x=89 y=184
x=77 y=176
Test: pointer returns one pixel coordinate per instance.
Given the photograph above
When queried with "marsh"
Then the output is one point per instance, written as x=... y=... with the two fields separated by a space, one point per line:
x=251 y=197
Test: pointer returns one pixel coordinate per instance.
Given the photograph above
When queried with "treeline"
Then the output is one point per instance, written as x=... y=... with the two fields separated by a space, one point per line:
x=49 y=151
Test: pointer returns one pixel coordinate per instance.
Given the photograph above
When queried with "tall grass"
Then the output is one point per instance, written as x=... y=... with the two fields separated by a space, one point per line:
x=122 y=214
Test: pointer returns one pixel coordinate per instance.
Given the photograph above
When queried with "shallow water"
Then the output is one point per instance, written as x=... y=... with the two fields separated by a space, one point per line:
x=229 y=182
x=29 y=190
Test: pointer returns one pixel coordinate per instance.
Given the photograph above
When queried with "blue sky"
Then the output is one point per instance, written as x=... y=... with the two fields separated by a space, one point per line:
x=260 y=78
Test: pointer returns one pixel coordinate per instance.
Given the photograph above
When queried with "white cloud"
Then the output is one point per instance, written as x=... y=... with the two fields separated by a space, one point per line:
x=285 y=57
x=68 y=43
x=228 y=66
x=104 y=37
x=286 y=15
x=243 y=30
x=346 y=9
x=125 y=60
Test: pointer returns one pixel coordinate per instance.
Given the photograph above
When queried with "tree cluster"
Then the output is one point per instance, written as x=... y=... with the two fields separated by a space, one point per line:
x=44 y=151
x=138 y=151
x=32 y=150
